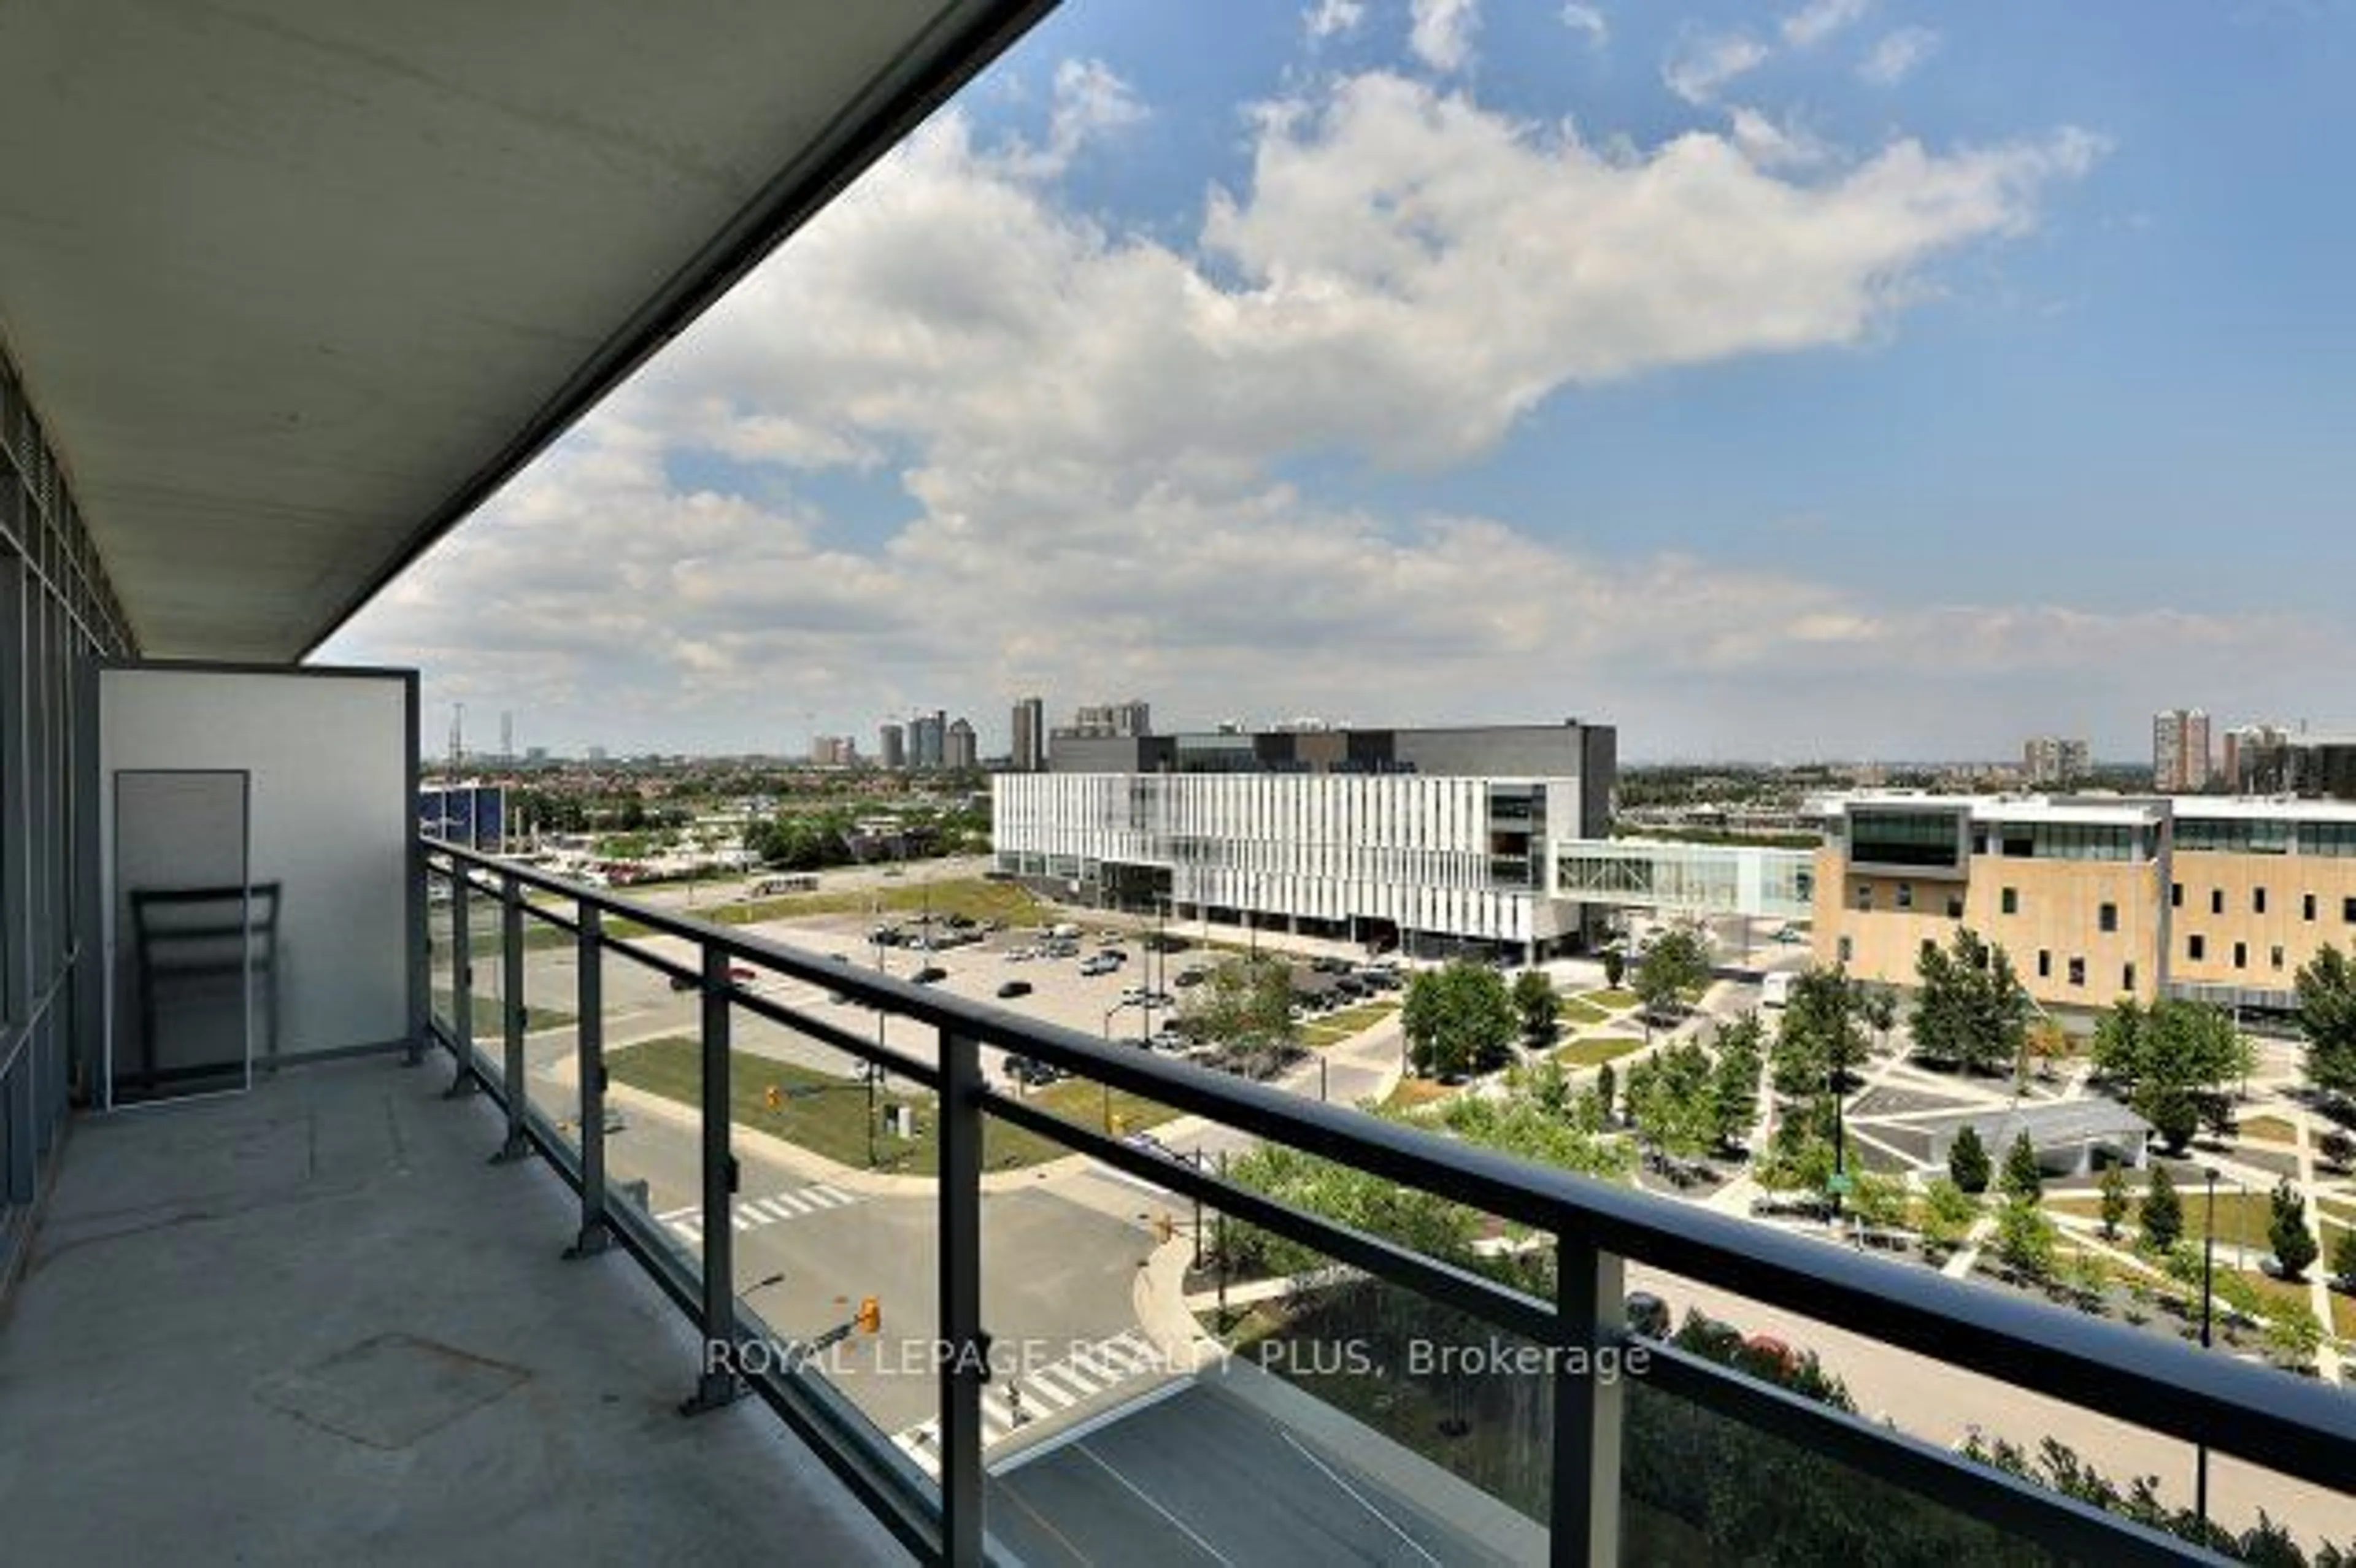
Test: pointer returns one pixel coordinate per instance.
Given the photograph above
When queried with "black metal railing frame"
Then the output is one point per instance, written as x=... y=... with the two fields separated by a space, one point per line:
x=2299 y=1429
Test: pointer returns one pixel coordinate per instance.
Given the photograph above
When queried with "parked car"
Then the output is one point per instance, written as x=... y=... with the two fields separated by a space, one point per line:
x=928 y=974
x=1015 y=988
x=1190 y=978
x=1027 y=1070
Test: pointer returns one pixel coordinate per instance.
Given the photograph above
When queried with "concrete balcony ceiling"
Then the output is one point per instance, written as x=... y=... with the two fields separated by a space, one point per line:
x=296 y=284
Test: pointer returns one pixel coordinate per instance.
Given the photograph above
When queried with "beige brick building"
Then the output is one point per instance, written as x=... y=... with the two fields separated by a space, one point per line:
x=2093 y=896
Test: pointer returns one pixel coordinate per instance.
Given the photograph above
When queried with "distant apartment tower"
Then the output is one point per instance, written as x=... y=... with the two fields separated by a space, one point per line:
x=1031 y=735
x=2257 y=760
x=892 y=747
x=2051 y=761
x=2180 y=751
x=834 y=750
x=1113 y=719
x=956 y=745
x=928 y=739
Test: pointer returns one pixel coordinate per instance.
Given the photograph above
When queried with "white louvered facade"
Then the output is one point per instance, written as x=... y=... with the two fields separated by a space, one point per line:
x=1329 y=850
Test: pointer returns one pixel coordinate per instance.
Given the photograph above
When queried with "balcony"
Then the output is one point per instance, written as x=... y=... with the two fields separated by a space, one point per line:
x=589 y=1262
x=379 y=1322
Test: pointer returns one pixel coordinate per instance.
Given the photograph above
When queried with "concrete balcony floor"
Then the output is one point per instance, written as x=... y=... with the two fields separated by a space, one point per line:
x=311 y=1324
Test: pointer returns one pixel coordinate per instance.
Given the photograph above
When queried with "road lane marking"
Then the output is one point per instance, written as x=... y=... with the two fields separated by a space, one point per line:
x=1183 y=1528
x=1413 y=1544
x=752 y=1213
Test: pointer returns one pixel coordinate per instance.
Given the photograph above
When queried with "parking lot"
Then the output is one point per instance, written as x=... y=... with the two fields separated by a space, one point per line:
x=1098 y=981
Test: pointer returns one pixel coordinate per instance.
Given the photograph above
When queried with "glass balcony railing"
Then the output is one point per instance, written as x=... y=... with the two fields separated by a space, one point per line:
x=1040 y=1297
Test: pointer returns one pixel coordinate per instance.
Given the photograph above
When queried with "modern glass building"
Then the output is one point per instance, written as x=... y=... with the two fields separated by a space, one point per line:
x=1429 y=841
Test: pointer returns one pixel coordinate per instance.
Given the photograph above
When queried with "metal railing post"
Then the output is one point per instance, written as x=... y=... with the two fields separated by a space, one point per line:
x=1587 y=1406
x=717 y=1382
x=462 y=983
x=965 y=1362
x=589 y=1067
x=516 y=1146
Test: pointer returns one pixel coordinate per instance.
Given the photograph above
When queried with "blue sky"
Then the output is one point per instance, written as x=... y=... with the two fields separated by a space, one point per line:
x=1853 y=377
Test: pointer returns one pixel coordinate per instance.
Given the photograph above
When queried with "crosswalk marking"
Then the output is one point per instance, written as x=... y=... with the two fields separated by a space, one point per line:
x=1082 y=1377
x=1044 y=1388
x=1067 y=1374
x=752 y=1213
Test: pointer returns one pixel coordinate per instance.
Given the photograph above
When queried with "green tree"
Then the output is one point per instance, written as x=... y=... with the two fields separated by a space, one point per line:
x=1947 y=1212
x=1972 y=1011
x=1607 y=1087
x=1967 y=1160
x=1675 y=1105
x=2115 y=1202
x=1821 y=1039
x=1244 y=999
x=1459 y=1020
x=2327 y=1017
x=2294 y=1244
x=1615 y=966
x=2343 y=1258
x=2163 y=1212
x=2024 y=1180
x=1878 y=1202
x=1734 y=1081
x=1539 y=1007
x=2170 y=1060
x=2024 y=1239
x=1877 y=1008
x=1675 y=964
x=1544 y=1082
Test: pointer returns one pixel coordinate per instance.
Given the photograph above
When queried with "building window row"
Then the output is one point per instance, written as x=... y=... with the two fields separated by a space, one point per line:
x=2265 y=836
x=2309 y=903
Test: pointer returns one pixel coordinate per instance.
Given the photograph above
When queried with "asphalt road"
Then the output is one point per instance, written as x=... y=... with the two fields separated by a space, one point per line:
x=1202 y=1477
x=1056 y=1274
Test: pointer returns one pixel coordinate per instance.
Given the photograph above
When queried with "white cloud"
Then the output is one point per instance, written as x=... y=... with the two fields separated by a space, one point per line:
x=1819 y=19
x=1073 y=438
x=1589 y=20
x=1771 y=144
x=1701 y=63
x=1442 y=31
x=1895 y=57
x=1333 y=18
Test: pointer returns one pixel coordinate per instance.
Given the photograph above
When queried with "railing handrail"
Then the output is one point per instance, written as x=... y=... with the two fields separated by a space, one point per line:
x=2284 y=1424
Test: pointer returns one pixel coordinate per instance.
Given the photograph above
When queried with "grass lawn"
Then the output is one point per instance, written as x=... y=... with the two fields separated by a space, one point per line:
x=2241 y=1217
x=1594 y=1050
x=2339 y=1209
x=971 y=897
x=2273 y=1129
x=1333 y=1029
x=827 y=1113
x=1413 y=1093
x=2279 y=1293
x=1610 y=1000
x=484 y=1014
x=1577 y=1011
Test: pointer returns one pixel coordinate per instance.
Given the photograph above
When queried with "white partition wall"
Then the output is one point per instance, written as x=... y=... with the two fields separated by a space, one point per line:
x=330 y=758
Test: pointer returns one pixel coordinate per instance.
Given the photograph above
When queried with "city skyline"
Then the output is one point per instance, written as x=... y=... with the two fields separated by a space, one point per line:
x=1316 y=364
